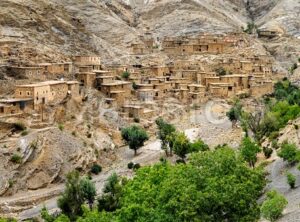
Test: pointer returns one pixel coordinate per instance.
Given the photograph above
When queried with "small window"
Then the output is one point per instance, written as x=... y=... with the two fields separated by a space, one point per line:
x=20 y=93
x=28 y=93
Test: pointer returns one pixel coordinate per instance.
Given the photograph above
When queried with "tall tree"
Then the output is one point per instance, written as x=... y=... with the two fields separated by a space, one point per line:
x=109 y=201
x=77 y=192
x=249 y=150
x=165 y=130
x=180 y=144
x=135 y=137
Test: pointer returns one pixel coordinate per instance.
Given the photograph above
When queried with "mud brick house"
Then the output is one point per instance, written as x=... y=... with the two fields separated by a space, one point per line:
x=145 y=95
x=117 y=90
x=27 y=72
x=73 y=88
x=53 y=68
x=49 y=92
x=93 y=61
x=87 y=79
x=140 y=49
x=85 y=69
x=239 y=82
x=261 y=88
x=15 y=106
x=103 y=80
x=222 y=90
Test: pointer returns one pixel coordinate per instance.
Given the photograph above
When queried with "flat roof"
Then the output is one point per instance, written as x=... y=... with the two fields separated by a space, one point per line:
x=197 y=85
x=101 y=71
x=116 y=83
x=46 y=83
x=72 y=82
x=117 y=92
x=12 y=100
x=23 y=67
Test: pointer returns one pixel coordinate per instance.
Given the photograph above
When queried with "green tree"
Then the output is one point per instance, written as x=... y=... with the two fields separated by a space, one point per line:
x=198 y=146
x=89 y=191
x=165 y=130
x=213 y=186
x=77 y=191
x=291 y=179
x=288 y=152
x=249 y=150
x=273 y=206
x=110 y=199
x=125 y=75
x=235 y=112
x=135 y=137
x=180 y=144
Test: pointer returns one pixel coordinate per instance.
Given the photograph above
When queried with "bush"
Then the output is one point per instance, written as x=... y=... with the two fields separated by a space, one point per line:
x=136 y=166
x=61 y=127
x=275 y=144
x=130 y=165
x=273 y=206
x=134 y=86
x=220 y=71
x=125 y=75
x=19 y=126
x=267 y=152
x=16 y=158
x=24 y=133
x=288 y=152
x=291 y=179
x=96 y=169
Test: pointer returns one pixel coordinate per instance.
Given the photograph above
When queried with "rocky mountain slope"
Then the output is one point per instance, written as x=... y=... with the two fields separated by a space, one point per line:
x=56 y=29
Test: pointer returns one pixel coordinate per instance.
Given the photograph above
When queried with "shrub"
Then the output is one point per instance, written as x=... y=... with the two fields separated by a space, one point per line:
x=220 y=71
x=291 y=179
x=61 y=127
x=288 y=152
x=134 y=86
x=136 y=119
x=136 y=166
x=267 y=152
x=24 y=133
x=130 y=165
x=19 y=126
x=125 y=75
x=16 y=158
x=96 y=169
x=273 y=206
x=296 y=127
x=275 y=144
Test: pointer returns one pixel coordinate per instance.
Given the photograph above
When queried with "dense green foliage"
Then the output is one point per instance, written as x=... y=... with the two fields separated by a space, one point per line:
x=180 y=144
x=135 y=136
x=198 y=146
x=291 y=179
x=165 y=131
x=77 y=192
x=273 y=206
x=279 y=108
x=214 y=186
x=109 y=201
x=289 y=152
x=249 y=150
x=7 y=220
